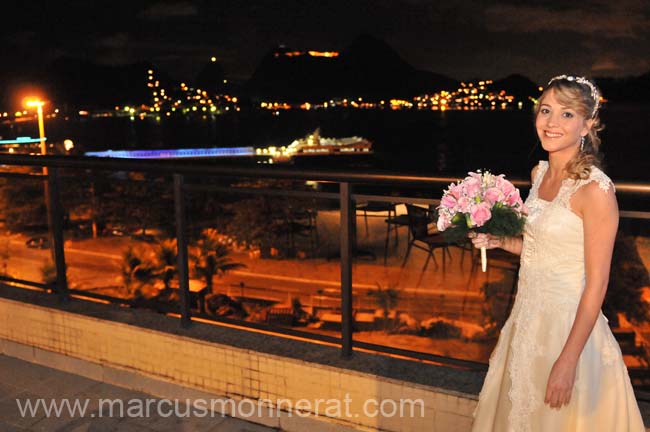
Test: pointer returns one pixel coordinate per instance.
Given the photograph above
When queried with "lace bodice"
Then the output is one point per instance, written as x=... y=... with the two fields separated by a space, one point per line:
x=553 y=247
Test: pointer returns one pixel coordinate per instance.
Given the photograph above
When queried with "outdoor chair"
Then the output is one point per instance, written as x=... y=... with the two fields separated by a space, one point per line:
x=393 y=220
x=375 y=207
x=394 y=223
x=421 y=238
x=301 y=223
x=295 y=224
x=474 y=254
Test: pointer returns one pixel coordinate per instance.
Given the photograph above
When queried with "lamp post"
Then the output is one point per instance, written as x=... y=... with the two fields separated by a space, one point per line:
x=31 y=103
x=41 y=125
x=38 y=104
x=53 y=208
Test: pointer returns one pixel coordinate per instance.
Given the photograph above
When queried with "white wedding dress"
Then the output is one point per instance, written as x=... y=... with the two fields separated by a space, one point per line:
x=551 y=280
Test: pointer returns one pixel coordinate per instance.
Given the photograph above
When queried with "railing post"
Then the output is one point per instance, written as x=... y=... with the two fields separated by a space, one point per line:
x=181 y=243
x=347 y=234
x=55 y=223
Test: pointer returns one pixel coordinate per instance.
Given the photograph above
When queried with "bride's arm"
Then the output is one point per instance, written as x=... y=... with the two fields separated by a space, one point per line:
x=599 y=213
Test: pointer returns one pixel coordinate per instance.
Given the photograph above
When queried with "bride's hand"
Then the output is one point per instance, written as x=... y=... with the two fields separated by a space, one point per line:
x=488 y=241
x=560 y=384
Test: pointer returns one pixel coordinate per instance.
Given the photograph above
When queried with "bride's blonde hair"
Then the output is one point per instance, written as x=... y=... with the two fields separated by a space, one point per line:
x=582 y=96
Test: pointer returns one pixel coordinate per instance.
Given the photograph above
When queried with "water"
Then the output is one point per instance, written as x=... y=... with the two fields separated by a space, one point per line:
x=429 y=143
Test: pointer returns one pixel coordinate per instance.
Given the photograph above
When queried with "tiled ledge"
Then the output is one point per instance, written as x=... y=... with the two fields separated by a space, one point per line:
x=146 y=351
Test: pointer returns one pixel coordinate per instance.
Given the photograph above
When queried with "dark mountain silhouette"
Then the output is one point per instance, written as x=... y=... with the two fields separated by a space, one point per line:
x=282 y=75
x=367 y=68
x=630 y=89
x=372 y=68
x=81 y=83
x=211 y=78
x=517 y=85
x=425 y=82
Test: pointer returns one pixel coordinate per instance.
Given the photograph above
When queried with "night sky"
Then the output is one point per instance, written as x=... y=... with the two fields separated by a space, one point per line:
x=461 y=39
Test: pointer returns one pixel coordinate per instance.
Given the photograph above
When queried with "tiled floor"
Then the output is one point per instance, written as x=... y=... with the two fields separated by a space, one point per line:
x=21 y=381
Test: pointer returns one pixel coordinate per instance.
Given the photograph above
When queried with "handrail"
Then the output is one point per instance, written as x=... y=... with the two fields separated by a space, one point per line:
x=266 y=171
x=194 y=168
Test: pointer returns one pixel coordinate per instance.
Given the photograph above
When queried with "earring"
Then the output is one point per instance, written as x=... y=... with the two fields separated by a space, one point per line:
x=582 y=144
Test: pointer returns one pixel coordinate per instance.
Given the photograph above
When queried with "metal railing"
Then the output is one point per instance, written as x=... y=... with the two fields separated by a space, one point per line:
x=179 y=172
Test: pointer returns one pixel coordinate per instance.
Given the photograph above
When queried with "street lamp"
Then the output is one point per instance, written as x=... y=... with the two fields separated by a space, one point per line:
x=41 y=125
x=31 y=103
x=54 y=218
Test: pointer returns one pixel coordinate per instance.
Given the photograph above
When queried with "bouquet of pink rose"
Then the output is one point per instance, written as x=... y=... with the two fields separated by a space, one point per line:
x=483 y=203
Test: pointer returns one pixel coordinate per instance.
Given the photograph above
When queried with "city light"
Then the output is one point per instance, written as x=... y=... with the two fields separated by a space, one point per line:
x=326 y=54
x=323 y=53
x=185 y=100
x=469 y=97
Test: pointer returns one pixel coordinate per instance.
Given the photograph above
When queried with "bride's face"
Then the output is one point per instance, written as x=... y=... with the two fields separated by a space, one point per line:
x=559 y=127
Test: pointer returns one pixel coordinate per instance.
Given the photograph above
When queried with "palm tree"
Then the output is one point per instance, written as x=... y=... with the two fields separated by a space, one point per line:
x=4 y=255
x=48 y=273
x=386 y=299
x=211 y=256
x=166 y=259
x=138 y=270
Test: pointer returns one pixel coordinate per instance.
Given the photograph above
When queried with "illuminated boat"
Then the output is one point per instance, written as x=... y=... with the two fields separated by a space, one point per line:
x=315 y=145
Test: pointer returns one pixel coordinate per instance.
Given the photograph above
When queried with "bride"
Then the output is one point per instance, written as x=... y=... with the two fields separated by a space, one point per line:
x=557 y=366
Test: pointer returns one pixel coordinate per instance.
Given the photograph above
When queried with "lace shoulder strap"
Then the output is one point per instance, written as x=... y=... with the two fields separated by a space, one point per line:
x=570 y=187
x=542 y=166
x=597 y=175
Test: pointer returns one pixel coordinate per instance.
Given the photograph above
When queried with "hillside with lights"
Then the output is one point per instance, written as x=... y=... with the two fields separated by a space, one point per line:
x=368 y=74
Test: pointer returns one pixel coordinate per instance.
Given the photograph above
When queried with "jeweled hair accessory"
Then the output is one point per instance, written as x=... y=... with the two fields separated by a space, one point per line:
x=595 y=95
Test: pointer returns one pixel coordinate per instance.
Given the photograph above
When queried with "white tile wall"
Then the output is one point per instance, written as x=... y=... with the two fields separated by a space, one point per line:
x=112 y=349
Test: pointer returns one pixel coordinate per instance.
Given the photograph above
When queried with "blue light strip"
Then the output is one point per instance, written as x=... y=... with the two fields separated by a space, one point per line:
x=175 y=153
x=23 y=140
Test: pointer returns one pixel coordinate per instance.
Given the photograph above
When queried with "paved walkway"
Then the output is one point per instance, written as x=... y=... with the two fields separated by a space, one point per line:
x=30 y=382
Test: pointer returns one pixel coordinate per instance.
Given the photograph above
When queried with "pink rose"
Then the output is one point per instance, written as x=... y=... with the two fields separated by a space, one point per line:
x=472 y=186
x=494 y=195
x=455 y=190
x=480 y=213
x=513 y=198
x=506 y=187
x=444 y=221
x=449 y=202
x=464 y=204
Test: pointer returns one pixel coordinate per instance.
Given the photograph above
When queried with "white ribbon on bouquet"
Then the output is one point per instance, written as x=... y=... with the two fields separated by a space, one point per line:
x=483 y=259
